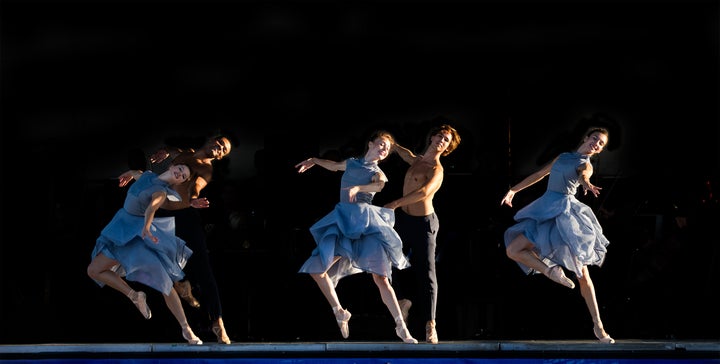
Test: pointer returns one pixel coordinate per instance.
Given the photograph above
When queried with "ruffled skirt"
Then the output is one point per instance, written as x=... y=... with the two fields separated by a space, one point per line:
x=156 y=265
x=564 y=231
x=362 y=235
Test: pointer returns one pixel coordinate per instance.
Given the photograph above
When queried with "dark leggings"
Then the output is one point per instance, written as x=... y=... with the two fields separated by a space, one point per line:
x=189 y=227
x=419 y=282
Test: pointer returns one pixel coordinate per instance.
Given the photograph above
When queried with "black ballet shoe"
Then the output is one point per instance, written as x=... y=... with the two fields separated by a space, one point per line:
x=140 y=301
x=557 y=275
x=189 y=335
x=342 y=316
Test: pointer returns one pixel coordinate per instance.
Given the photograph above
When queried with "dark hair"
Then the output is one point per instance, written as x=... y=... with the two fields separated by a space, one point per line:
x=599 y=120
x=222 y=133
x=454 y=142
x=596 y=129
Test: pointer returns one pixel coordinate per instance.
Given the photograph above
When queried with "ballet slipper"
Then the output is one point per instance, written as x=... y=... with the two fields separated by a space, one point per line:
x=189 y=335
x=430 y=332
x=602 y=335
x=140 y=301
x=557 y=275
x=218 y=328
x=342 y=316
x=402 y=331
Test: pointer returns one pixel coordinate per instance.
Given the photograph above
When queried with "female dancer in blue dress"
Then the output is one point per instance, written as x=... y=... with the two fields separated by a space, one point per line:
x=142 y=248
x=558 y=231
x=190 y=226
x=358 y=236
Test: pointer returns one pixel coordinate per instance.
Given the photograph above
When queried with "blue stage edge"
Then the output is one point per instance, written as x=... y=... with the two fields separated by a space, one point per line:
x=467 y=352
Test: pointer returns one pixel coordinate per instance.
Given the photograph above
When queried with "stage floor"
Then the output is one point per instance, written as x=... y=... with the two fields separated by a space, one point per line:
x=571 y=351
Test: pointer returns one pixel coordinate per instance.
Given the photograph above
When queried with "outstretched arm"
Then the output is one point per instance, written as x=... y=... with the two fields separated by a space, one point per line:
x=527 y=182
x=128 y=176
x=325 y=163
x=405 y=154
x=165 y=153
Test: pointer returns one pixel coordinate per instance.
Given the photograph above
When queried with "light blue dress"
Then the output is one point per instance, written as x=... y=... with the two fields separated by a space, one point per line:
x=564 y=230
x=360 y=233
x=156 y=265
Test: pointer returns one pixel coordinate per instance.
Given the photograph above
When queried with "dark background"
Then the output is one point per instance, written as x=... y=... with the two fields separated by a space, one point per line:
x=90 y=88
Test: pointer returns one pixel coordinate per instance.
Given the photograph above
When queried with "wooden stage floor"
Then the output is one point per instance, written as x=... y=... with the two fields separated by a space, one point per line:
x=563 y=351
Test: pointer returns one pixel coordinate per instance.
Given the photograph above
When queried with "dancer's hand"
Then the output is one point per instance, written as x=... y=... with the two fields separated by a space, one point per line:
x=507 y=200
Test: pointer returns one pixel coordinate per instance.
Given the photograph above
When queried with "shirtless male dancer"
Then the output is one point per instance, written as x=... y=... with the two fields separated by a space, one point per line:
x=417 y=223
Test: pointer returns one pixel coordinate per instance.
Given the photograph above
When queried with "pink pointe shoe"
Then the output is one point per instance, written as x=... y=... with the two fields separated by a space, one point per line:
x=140 y=301
x=557 y=275
x=218 y=328
x=602 y=335
x=189 y=335
x=403 y=333
x=342 y=316
x=431 y=335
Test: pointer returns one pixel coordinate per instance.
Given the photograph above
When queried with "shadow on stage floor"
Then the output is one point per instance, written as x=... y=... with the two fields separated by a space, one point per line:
x=564 y=351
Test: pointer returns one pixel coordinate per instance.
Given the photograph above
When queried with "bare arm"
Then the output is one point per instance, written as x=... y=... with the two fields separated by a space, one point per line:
x=155 y=203
x=199 y=185
x=427 y=190
x=325 y=163
x=584 y=172
x=376 y=185
x=192 y=199
x=527 y=182
x=128 y=176
x=404 y=153
x=167 y=152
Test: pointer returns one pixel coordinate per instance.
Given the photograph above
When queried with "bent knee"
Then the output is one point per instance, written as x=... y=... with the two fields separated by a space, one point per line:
x=517 y=246
x=318 y=276
x=585 y=279
x=509 y=252
x=381 y=280
x=512 y=252
x=92 y=272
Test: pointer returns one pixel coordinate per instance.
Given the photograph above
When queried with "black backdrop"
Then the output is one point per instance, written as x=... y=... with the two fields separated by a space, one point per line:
x=90 y=88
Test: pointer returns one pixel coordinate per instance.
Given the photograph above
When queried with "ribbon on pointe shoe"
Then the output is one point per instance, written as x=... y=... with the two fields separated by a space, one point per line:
x=218 y=328
x=431 y=335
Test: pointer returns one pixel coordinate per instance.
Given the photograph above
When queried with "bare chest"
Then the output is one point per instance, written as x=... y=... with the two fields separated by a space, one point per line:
x=419 y=173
